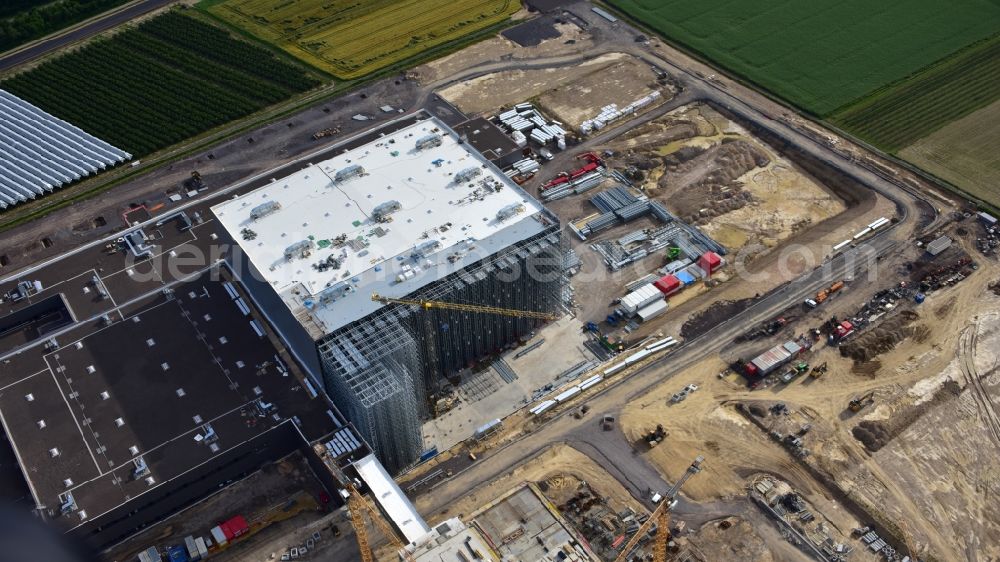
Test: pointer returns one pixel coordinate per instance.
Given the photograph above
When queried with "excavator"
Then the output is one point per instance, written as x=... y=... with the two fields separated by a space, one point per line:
x=818 y=370
x=661 y=517
x=858 y=403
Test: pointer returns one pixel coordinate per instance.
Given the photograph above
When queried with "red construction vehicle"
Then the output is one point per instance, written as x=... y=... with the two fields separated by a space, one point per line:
x=562 y=178
x=593 y=163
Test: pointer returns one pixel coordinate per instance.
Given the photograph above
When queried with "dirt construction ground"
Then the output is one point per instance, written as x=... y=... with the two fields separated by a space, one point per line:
x=710 y=171
x=934 y=419
x=571 y=41
x=738 y=189
x=621 y=84
x=486 y=94
x=560 y=469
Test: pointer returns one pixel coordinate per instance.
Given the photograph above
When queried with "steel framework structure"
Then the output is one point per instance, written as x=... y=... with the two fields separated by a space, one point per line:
x=384 y=370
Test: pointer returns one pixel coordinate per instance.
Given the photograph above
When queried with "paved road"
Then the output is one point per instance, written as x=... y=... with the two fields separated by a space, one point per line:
x=92 y=28
x=609 y=449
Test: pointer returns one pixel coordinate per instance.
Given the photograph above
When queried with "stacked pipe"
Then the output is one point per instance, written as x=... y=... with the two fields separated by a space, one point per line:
x=612 y=112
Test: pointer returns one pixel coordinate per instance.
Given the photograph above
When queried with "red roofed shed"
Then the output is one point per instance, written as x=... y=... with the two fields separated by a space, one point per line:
x=235 y=527
x=668 y=284
x=709 y=262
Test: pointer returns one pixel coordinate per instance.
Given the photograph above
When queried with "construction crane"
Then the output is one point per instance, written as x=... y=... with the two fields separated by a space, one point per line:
x=429 y=304
x=911 y=547
x=430 y=332
x=661 y=516
x=357 y=506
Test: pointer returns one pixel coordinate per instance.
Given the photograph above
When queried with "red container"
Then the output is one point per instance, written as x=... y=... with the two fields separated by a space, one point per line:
x=668 y=284
x=709 y=262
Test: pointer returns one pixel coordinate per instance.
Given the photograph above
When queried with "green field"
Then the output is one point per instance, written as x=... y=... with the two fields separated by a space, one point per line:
x=823 y=54
x=166 y=80
x=965 y=152
x=351 y=39
x=26 y=20
x=898 y=116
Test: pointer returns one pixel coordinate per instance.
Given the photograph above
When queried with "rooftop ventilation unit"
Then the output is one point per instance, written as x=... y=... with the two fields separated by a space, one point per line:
x=141 y=469
x=430 y=141
x=67 y=504
x=468 y=174
x=426 y=248
x=301 y=249
x=510 y=211
x=382 y=211
x=335 y=292
x=264 y=209
x=349 y=172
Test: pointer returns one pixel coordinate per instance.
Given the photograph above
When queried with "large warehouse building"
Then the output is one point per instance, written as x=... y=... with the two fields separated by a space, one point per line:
x=407 y=211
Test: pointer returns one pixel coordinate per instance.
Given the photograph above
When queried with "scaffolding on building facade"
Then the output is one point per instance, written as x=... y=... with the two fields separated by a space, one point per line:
x=377 y=369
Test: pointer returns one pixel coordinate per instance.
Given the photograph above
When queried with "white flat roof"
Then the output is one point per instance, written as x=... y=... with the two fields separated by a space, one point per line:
x=455 y=224
x=391 y=499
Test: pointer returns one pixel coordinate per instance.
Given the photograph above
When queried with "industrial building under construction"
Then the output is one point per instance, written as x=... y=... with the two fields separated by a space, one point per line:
x=408 y=211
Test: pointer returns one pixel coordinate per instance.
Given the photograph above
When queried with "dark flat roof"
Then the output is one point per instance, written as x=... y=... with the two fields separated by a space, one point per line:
x=140 y=391
x=152 y=379
x=487 y=138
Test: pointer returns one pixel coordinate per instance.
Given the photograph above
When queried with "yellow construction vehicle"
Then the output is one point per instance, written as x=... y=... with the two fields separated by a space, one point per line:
x=429 y=304
x=856 y=404
x=818 y=370
x=661 y=517
x=357 y=506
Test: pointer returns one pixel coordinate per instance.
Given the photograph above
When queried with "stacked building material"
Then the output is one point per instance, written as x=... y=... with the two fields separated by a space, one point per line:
x=612 y=112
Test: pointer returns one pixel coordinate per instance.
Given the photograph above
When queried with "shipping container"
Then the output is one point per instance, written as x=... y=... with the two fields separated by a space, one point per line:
x=177 y=553
x=218 y=536
x=652 y=310
x=668 y=284
x=192 y=549
x=685 y=277
x=771 y=359
x=202 y=547
x=647 y=294
x=709 y=262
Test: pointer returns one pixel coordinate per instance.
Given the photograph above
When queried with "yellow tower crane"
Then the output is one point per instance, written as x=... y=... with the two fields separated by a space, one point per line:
x=661 y=516
x=482 y=309
x=357 y=506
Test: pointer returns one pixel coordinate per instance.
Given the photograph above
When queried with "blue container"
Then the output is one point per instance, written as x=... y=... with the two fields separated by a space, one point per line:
x=919 y=298
x=178 y=554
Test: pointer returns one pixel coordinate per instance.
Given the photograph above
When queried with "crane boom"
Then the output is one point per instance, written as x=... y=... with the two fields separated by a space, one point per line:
x=644 y=528
x=483 y=309
x=357 y=506
x=661 y=517
x=695 y=468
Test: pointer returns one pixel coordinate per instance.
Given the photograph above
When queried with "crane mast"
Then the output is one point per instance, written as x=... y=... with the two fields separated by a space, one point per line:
x=357 y=506
x=661 y=517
